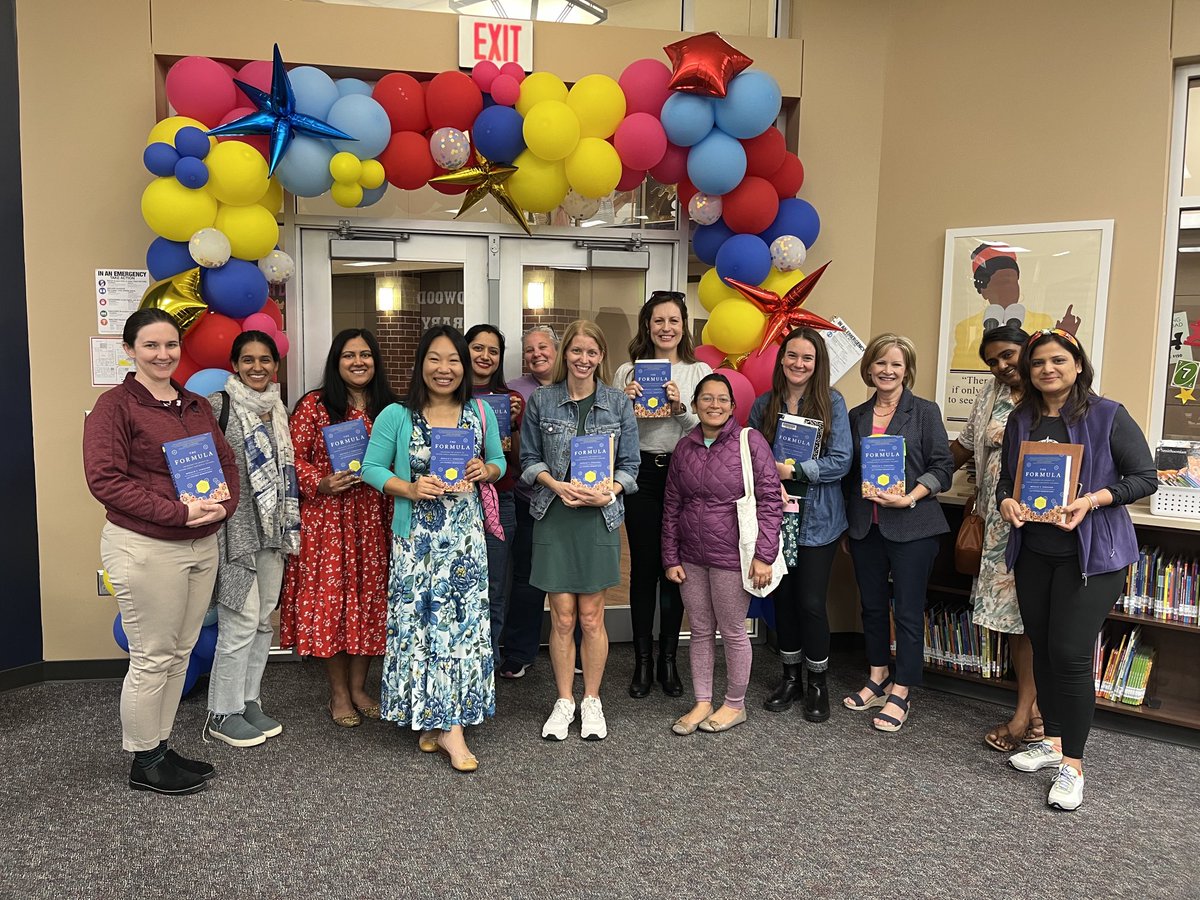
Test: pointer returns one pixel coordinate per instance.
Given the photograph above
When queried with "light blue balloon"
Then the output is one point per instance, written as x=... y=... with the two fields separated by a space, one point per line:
x=750 y=106
x=347 y=86
x=717 y=164
x=304 y=169
x=686 y=119
x=315 y=91
x=207 y=381
x=371 y=196
x=363 y=119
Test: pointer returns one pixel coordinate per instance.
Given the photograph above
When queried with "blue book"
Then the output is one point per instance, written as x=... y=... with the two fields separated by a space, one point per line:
x=502 y=408
x=882 y=461
x=592 y=462
x=196 y=469
x=346 y=443
x=652 y=376
x=1046 y=476
x=450 y=449
x=797 y=439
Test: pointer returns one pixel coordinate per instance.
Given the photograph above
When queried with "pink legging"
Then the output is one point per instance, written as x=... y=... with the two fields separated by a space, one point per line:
x=714 y=599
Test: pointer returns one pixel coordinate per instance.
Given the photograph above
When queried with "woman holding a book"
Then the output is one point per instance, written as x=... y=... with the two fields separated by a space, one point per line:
x=1069 y=553
x=901 y=461
x=663 y=372
x=805 y=421
x=255 y=541
x=159 y=544
x=700 y=546
x=434 y=454
x=334 y=603
x=579 y=452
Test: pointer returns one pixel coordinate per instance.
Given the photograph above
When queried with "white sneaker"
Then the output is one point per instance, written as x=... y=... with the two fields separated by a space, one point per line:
x=592 y=714
x=1041 y=755
x=1067 y=790
x=560 y=720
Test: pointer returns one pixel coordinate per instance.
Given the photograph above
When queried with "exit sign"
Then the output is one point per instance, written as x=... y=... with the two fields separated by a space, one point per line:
x=496 y=40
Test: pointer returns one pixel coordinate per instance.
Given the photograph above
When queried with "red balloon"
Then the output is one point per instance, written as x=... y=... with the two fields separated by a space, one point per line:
x=452 y=100
x=406 y=160
x=743 y=393
x=210 y=340
x=685 y=191
x=644 y=83
x=403 y=99
x=707 y=353
x=704 y=64
x=640 y=141
x=630 y=178
x=506 y=90
x=513 y=70
x=484 y=73
x=256 y=74
x=271 y=308
x=750 y=207
x=198 y=87
x=260 y=142
x=186 y=369
x=765 y=153
x=673 y=166
x=789 y=177
x=760 y=368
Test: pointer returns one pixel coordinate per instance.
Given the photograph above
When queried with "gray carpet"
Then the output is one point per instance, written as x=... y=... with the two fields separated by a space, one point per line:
x=775 y=808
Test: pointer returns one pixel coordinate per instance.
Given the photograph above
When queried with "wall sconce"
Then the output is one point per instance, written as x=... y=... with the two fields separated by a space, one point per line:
x=385 y=299
x=535 y=295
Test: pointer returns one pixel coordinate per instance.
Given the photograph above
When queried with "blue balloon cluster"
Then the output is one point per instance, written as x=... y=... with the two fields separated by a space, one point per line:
x=201 y=660
x=742 y=256
x=183 y=159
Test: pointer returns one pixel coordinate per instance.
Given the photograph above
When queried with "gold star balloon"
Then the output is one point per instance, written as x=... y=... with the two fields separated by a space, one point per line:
x=179 y=297
x=483 y=179
x=784 y=313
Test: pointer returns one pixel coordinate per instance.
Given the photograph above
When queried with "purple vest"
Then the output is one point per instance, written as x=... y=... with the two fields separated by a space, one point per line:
x=1107 y=541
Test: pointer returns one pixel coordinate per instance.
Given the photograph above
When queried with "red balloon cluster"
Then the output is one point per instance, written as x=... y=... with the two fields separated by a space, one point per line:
x=207 y=343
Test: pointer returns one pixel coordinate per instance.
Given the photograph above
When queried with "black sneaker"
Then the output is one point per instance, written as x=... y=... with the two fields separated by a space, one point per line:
x=195 y=766
x=512 y=669
x=165 y=778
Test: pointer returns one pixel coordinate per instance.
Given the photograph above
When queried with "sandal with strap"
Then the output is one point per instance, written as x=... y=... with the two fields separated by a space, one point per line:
x=1000 y=738
x=1035 y=732
x=853 y=701
x=891 y=723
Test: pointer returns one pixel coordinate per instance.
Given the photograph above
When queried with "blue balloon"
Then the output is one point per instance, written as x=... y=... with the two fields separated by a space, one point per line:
x=347 y=86
x=717 y=164
x=160 y=158
x=191 y=172
x=207 y=381
x=363 y=119
x=166 y=258
x=707 y=240
x=796 y=217
x=497 y=134
x=745 y=257
x=686 y=119
x=304 y=169
x=237 y=289
x=371 y=196
x=119 y=634
x=488 y=101
x=314 y=90
x=191 y=141
x=750 y=106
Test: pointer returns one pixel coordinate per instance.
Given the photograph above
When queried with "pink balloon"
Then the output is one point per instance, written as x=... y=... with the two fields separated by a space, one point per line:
x=760 y=368
x=198 y=87
x=514 y=71
x=260 y=322
x=505 y=89
x=644 y=83
x=673 y=166
x=743 y=393
x=630 y=178
x=260 y=142
x=256 y=74
x=484 y=74
x=228 y=68
x=640 y=141
x=707 y=353
x=284 y=345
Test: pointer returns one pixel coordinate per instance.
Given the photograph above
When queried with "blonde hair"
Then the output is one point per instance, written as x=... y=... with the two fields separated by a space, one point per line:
x=581 y=328
x=881 y=344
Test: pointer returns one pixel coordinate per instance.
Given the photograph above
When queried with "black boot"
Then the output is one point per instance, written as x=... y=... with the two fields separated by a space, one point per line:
x=780 y=699
x=816 y=698
x=643 y=667
x=668 y=675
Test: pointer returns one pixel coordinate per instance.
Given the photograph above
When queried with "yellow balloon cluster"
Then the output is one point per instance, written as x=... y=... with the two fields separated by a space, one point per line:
x=736 y=326
x=352 y=176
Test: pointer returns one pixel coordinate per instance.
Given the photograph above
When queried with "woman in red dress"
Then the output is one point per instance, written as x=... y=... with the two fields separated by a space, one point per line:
x=334 y=603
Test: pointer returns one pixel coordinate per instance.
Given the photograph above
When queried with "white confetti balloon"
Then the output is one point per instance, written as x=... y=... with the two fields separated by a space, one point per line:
x=704 y=209
x=277 y=266
x=578 y=206
x=450 y=148
x=788 y=253
x=210 y=248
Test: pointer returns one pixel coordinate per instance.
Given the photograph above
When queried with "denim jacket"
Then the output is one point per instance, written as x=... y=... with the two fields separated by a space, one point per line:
x=551 y=420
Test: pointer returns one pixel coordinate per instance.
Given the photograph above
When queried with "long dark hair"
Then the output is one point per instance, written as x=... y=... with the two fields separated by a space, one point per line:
x=332 y=392
x=1080 y=398
x=1004 y=334
x=817 y=402
x=496 y=383
x=642 y=347
x=418 y=393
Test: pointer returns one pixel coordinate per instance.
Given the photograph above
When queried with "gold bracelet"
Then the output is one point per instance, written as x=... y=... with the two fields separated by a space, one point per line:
x=1091 y=498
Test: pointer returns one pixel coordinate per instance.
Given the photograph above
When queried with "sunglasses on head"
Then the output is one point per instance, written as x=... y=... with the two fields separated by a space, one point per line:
x=656 y=296
x=1057 y=332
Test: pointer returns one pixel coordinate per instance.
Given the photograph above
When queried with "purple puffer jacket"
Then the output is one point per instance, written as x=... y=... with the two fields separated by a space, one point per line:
x=700 y=523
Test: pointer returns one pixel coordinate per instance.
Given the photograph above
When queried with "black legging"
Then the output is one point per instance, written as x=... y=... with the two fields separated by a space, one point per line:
x=643 y=525
x=1063 y=614
x=801 y=618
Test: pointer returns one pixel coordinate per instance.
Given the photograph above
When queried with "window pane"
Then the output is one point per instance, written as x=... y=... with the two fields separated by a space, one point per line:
x=1181 y=415
x=1191 y=142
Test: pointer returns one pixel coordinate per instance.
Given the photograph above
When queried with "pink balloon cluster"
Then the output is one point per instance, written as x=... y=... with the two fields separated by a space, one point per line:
x=260 y=321
x=640 y=139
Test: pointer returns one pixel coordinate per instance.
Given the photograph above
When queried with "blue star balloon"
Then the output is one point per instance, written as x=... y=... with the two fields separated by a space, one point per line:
x=276 y=116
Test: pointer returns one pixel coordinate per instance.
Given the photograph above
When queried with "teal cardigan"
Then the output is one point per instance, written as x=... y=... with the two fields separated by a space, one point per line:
x=387 y=455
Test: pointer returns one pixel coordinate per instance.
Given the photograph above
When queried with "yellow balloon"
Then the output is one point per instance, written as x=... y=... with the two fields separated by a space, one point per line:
x=736 y=326
x=346 y=195
x=538 y=87
x=237 y=173
x=175 y=212
x=782 y=282
x=713 y=290
x=594 y=168
x=551 y=130
x=272 y=200
x=538 y=185
x=252 y=230
x=345 y=167
x=704 y=334
x=372 y=174
x=165 y=131
x=179 y=297
x=599 y=103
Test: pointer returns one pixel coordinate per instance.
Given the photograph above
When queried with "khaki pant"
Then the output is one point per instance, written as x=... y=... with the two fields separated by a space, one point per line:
x=163 y=590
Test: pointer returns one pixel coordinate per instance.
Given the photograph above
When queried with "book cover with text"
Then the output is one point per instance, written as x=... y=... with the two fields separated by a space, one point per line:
x=882 y=462
x=797 y=439
x=196 y=469
x=502 y=408
x=450 y=449
x=652 y=376
x=346 y=444
x=1045 y=486
x=592 y=462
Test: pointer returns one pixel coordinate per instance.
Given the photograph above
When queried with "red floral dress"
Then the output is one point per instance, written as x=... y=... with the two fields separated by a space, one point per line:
x=335 y=590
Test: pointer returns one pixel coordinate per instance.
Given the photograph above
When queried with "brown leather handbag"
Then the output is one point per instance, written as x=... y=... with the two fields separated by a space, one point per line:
x=968 y=546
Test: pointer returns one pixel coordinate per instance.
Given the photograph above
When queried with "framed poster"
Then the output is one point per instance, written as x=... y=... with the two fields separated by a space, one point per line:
x=1051 y=275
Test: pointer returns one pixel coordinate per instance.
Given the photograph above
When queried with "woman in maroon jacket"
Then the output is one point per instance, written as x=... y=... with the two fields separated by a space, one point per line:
x=160 y=553
x=700 y=546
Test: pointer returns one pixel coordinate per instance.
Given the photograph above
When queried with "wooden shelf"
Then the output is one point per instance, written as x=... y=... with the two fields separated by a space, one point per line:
x=1116 y=616
x=971 y=676
x=1173 y=712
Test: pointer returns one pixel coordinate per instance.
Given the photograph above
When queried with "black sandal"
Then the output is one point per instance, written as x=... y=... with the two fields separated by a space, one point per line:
x=853 y=701
x=891 y=723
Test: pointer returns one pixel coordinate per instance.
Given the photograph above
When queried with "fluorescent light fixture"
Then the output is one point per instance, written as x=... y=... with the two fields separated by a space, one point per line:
x=575 y=12
x=535 y=295
x=385 y=299
x=1061 y=253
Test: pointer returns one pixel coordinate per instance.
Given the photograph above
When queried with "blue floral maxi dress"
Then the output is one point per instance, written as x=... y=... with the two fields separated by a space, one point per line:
x=437 y=669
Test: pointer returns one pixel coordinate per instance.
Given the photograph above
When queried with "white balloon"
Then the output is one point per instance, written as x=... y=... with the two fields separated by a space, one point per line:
x=578 y=206
x=704 y=209
x=210 y=248
x=277 y=266
x=450 y=148
x=788 y=253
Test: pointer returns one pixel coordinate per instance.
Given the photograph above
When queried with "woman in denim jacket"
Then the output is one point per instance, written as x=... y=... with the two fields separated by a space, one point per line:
x=576 y=544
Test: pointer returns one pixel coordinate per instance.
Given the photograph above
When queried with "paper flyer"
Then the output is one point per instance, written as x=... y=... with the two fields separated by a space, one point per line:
x=118 y=294
x=110 y=365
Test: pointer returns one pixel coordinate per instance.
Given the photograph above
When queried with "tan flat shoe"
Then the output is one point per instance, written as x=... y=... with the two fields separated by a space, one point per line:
x=428 y=741
x=713 y=726
x=353 y=720
x=466 y=763
x=370 y=712
x=683 y=729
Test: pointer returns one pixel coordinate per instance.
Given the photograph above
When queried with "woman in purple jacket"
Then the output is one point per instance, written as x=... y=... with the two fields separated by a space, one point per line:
x=700 y=546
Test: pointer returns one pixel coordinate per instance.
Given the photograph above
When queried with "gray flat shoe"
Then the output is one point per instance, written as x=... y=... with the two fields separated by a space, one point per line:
x=712 y=726
x=683 y=729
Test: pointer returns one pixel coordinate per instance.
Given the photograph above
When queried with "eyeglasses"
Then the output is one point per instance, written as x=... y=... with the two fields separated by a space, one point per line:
x=710 y=399
x=656 y=296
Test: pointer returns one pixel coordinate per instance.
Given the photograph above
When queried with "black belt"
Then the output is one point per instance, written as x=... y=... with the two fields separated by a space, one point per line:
x=661 y=460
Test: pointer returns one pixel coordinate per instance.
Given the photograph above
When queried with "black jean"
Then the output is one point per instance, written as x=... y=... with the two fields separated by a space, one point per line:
x=1062 y=614
x=801 y=618
x=643 y=526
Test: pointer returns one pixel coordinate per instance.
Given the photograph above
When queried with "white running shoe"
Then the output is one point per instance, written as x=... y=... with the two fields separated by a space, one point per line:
x=1067 y=790
x=592 y=714
x=1041 y=755
x=560 y=720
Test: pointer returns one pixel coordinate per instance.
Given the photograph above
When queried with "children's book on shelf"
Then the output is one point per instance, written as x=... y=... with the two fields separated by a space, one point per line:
x=346 y=444
x=592 y=462
x=450 y=449
x=882 y=462
x=1121 y=666
x=797 y=439
x=1047 y=480
x=196 y=469
x=955 y=643
x=1178 y=463
x=1162 y=587
x=652 y=376
x=501 y=406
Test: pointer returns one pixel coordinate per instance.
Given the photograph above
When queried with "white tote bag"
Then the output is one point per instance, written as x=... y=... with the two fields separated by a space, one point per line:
x=747 y=510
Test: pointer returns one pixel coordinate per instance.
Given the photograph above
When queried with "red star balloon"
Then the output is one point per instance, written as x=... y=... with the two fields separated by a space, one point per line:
x=784 y=312
x=704 y=64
